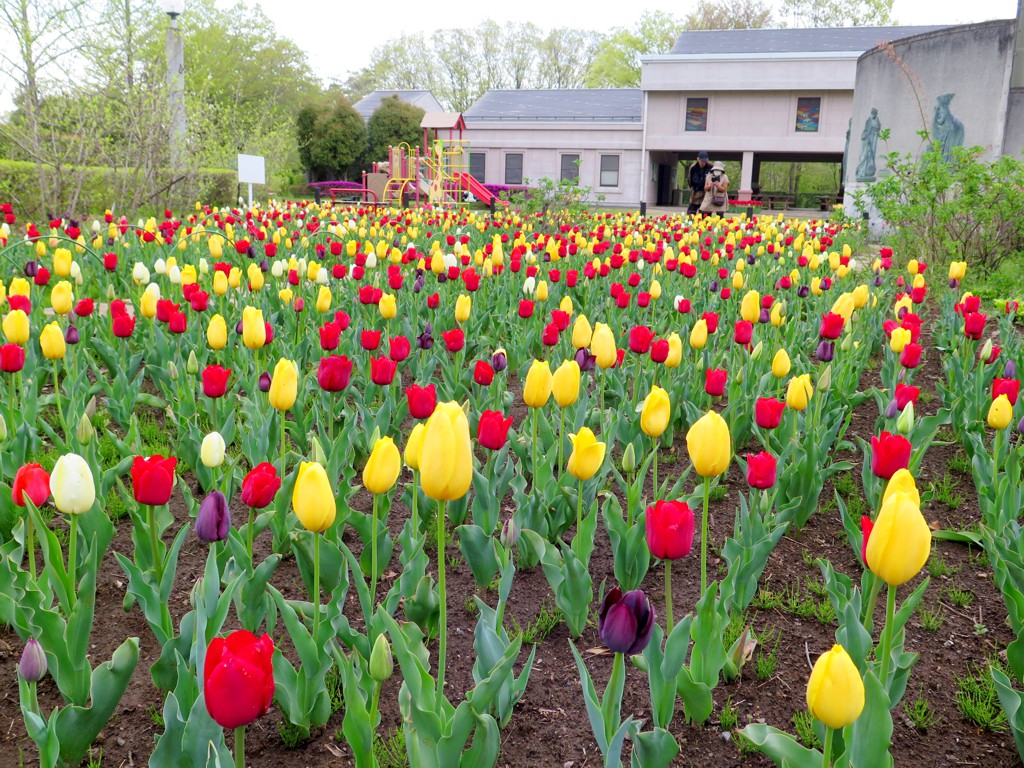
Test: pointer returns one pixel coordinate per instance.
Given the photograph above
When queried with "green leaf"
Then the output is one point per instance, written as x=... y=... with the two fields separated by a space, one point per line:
x=781 y=747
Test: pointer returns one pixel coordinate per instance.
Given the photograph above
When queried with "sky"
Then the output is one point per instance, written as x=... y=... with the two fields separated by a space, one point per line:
x=344 y=45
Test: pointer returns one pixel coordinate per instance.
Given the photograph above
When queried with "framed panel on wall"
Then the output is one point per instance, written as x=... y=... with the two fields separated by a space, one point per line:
x=808 y=114
x=696 y=114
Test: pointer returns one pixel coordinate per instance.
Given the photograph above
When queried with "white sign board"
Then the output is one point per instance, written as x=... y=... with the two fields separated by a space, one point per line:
x=251 y=170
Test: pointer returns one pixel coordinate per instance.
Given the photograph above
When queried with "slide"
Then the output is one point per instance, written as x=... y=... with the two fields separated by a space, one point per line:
x=474 y=187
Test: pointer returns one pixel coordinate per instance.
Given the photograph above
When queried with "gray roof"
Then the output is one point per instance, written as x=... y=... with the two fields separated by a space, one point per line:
x=367 y=105
x=621 y=105
x=830 y=40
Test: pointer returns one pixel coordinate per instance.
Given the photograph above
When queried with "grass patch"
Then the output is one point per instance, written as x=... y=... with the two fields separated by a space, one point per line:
x=538 y=629
x=945 y=492
x=931 y=620
x=389 y=750
x=921 y=714
x=767 y=661
x=977 y=700
x=729 y=718
x=803 y=723
x=961 y=598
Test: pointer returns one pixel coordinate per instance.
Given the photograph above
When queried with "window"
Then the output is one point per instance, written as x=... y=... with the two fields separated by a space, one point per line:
x=570 y=170
x=808 y=112
x=477 y=165
x=514 y=168
x=696 y=114
x=609 y=170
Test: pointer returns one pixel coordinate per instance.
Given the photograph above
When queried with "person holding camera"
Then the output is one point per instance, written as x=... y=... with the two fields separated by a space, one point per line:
x=716 y=189
x=696 y=177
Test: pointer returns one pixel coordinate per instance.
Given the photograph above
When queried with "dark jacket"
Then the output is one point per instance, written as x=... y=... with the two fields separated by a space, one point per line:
x=698 y=175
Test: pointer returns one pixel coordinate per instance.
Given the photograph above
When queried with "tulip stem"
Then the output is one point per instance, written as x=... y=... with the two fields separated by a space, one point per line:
x=579 y=509
x=73 y=563
x=655 y=487
x=316 y=582
x=415 y=504
x=442 y=631
x=56 y=396
x=533 y=467
x=373 y=554
x=668 y=597
x=284 y=422
x=561 y=440
x=249 y=536
x=158 y=562
x=600 y=401
x=886 y=645
x=827 y=755
x=704 y=538
x=240 y=747
x=30 y=544
x=869 y=613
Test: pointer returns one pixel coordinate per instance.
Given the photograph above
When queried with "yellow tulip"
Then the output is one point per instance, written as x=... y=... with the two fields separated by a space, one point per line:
x=913 y=267
x=20 y=287
x=844 y=306
x=750 y=308
x=286 y=295
x=699 y=334
x=657 y=409
x=414 y=446
x=900 y=540
x=254 y=331
x=860 y=296
x=778 y=316
x=382 y=468
x=655 y=289
x=898 y=339
x=709 y=444
x=581 y=332
x=220 y=283
x=147 y=304
x=15 y=326
x=255 y=275
x=565 y=383
x=216 y=246
x=188 y=273
x=566 y=305
x=1000 y=413
x=799 y=392
x=463 y=306
x=446 y=459
x=538 y=384
x=284 y=385
x=217 y=333
x=602 y=346
x=62 y=262
x=388 y=306
x=51 y=340
x=675 y=351
x=235 y=278
x=313 y=498
x=835 y=690
x=323 y=299
x=902 y=482
x=781 y=364
x=587 y=454
x=957 y=270
x=541 y=293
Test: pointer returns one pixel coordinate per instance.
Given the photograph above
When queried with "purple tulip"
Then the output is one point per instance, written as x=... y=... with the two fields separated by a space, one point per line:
x=213 y=522
x=803 y=291
x=499 y=361
x=826 y=351
x=32 y=667
x=71 y=335
x=585 y=360
x=264 y=382
x=420 y=282
x=713 y=287
x=31 y=268
x=264 y=266
x=1010 y=370
x=765 y=316
x=878 y=281
x=954 y=283
x=238 y=328
x=626 y=621
x=892 y=409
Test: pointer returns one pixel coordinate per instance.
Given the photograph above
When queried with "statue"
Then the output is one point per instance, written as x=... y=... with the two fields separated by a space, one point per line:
x=946 y=129
x=868 y=147
x=846 y=153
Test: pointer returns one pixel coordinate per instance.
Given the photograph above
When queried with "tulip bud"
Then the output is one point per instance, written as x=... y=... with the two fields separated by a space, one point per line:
x=3 y=428
x=629 y=459
x=264 y=383
x=382 y=663
x=192 y=364
x=499 y=361
x=318 y=452
x=212 y=450
x=986 y=350
x=84 y=433
x=905 y=423
x=756 y=352
x=172 y=370
x=213 y=521
x=1010 y=370
x=892 y=409
x=825 y=380
x=509 y=533
x=32 y=666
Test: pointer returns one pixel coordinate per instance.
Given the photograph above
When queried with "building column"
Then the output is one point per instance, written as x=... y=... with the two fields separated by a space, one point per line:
x=746 y=189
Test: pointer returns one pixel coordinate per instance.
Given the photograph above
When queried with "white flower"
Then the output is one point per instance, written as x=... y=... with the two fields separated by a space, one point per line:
x=322 y=276
x=529 y=285
x=212 y=450
x=174 y=274
x=139 y=273
x=160 y=267
x=277 y=268
x=371 y=260
x=154 y=289
x=204 y=267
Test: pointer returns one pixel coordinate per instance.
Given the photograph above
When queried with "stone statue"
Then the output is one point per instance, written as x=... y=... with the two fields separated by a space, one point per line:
x=946 y=129
x=846 y=153
x=868 y=147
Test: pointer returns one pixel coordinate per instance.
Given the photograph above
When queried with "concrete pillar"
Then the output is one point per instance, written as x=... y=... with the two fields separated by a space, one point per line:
x=746 y=177
x=1017 y=75
x=176 y=93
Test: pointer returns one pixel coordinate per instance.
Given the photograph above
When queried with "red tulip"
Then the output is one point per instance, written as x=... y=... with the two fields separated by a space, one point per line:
x=550 y=335
x=215 y=380
x=640 y=338
x=974 y=325
x=768 y=412
x=1008 y=387
x=342 y=320
x=369 y=340
x=743 y=332
x=659 y=351
x=433 y=300
x=670 y=527
x=761 y=470
x=866 y=524
x=382 y=370
x=889 y=453
x=399 y=348
x=422 y=400
x=123 y=326
x=334 y=373
x=560 y=319
x=12 y=358
x=454 y=339
x=260 y=486
x=711 y=318
x=177 y=323
x=110 y=261
x=483 y=374
x=714 y=381
x=165 y=308
x=85 y=307
x=33 y=480
x=153 y=478
x=239 y=678
x=831 y=326
x=525 y=308
x=330 y=335
x=492 y=431
x=20 y=302
x=910 y=357
x=906 y=394
x=622 y=300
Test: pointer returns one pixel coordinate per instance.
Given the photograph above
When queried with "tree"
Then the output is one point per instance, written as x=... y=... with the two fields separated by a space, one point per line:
x=838 y=13
x=393 y=122
x=729 y=14
x=617 y=63
x=331 y=137
x=565 y=57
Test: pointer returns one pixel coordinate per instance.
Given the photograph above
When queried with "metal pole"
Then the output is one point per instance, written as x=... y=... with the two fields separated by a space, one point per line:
x=176 y=93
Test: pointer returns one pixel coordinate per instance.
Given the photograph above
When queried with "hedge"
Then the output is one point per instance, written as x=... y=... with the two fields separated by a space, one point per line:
x=19 y=184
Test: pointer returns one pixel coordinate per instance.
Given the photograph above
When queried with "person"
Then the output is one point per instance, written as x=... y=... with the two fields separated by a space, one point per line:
x=697 y=174
x=868 y=147
x=716 y=188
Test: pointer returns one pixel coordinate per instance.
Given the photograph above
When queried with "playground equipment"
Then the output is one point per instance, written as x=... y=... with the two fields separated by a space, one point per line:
x=437 y=172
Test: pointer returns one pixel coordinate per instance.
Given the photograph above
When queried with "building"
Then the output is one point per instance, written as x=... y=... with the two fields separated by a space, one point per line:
x=425 y=100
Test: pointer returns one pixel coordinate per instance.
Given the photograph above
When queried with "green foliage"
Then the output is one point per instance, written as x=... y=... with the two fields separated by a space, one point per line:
x=564 y=200
x=964 y=209
x=803 y=724
x=944 y=492
x=932 y=620
x=977 y=700
x=542 y=625
x=332 y=138
x=389 y=751
x=768 y=653
x=837 y=13
x=728 y=718
x=921 y=714
x=730 y=14
x=617 y=64
x=393 y=122
x=961 y=598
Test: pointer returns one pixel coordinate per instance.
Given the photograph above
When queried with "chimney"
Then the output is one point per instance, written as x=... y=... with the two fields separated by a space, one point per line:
x=1017 y=74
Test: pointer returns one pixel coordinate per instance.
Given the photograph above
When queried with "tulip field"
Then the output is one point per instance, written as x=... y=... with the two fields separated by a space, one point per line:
x=325 y=485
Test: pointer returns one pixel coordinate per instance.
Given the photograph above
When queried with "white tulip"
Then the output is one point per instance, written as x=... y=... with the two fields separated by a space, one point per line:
x=212 y=450
x=160 y=267
x=139 y=273
x=72 y=485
